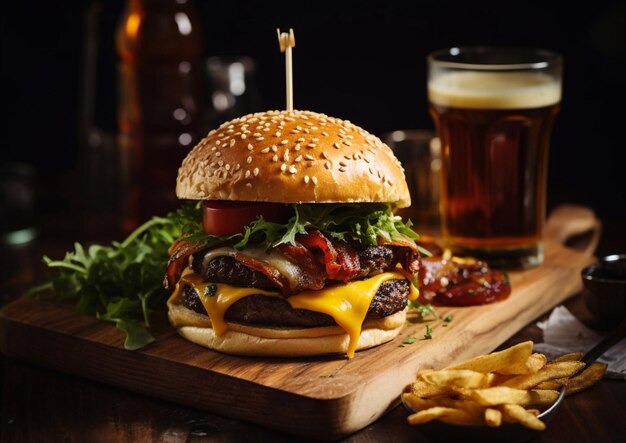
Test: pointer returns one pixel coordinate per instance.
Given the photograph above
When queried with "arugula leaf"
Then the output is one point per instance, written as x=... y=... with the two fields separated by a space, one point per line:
x=424 y=310
x=407 y=341
x=121 y=282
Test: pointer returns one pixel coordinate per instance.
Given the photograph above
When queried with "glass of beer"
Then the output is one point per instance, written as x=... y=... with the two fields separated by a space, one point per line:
x=494 y=109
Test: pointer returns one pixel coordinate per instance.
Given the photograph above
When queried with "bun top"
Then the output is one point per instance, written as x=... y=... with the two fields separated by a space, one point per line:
x=292 y=157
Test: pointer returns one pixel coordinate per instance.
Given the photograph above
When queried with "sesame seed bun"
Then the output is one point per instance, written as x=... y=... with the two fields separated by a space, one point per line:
x=292 y=157
x=261 y=341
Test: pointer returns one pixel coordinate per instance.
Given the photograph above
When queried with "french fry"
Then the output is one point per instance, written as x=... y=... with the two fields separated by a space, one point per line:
x=516 y=413
x=416 y=402
x=573 y=356
x=548 y=372
x=500 y=395
x=424 y=389
x=550 y=384
x=498 y=360
x=586 y=379
x=493 y=417
x=462 y=378
x=448 y=415
x=532 y=365
x=469 y=406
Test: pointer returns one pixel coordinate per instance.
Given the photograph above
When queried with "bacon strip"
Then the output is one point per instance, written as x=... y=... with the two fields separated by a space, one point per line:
x=180 y=252
x=313 y=275
x=281 y=282
x=341 y=261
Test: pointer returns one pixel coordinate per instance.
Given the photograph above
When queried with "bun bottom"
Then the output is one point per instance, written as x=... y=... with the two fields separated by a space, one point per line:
x=267 y=341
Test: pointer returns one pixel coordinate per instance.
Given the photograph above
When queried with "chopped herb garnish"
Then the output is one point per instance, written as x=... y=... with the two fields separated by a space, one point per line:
x=448 y=318
x=424 y=310
x=327 y=375
x=407 y=341
x=429 y=333
x=210 y=290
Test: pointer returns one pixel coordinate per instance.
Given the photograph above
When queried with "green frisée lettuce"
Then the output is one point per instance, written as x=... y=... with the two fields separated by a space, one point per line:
x=364 y=223
x=122 y=282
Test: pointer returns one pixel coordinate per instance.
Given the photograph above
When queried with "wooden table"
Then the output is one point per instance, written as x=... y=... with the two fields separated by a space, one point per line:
x=43 y=405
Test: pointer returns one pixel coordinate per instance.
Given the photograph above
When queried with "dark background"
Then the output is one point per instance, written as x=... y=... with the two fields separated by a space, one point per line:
x=362 y=62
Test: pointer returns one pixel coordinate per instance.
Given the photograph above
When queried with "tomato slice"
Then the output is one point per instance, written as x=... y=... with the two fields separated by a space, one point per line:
x=224 y=218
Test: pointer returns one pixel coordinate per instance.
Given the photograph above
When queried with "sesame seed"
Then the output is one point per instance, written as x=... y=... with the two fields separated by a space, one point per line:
x=315 y=140
x=213 y=164
x=327 y=165
x=255 y=171
x=297 y=148
x=257 y=134
x=308 y=123
x=249 y=160
x=294 y=131
x=218 y=154
x=336 y=145
x=265 y=150
x=301 y=140
x=248 y=185
x=232 y=142
x=311 y=145
x=237 y=167
x=228 y=167
x=230 y=131
x=243 y=136
x=266 y=124
x=347 y=157
x=283 y=167
x=275 y=158
x=355 y=156
x=309 y=157
x=306 y=131
x=250 y=147
x=367 y=160
x=286 y=155
x=299 y=127
x=277 y=134
x=324 y=155
x=325 y=134
x=259 y=139
x=247 y=174
x=346 y=142
x=314 y=180
x=314 y=128
x=306 y=179
x=284 y=142
x=297 y=159
x=342 y=163
x=342 y=169
x=217 y=143
x=293 y=169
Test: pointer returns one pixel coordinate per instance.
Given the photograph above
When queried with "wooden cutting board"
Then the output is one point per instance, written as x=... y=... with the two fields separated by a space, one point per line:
x=324 y=398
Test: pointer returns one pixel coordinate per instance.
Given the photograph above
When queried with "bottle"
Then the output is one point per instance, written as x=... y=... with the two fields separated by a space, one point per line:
x=160 y=45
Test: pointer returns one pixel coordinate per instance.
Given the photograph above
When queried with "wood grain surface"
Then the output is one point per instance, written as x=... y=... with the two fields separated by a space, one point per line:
x=314 y=397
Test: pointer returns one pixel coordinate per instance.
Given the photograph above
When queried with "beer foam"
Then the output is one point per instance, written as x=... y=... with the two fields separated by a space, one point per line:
x=494 y=90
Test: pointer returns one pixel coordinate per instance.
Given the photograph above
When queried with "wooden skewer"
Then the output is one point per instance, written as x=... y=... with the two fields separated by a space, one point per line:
x=286 y=42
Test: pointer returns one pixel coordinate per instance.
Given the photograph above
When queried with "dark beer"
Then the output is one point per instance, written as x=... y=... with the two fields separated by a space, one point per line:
x=495 y=141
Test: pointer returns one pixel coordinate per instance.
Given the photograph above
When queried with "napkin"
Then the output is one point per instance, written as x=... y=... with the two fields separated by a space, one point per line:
x=564 y=333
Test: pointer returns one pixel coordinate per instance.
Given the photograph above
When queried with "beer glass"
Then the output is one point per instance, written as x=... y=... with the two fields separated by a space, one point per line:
x=494 y=109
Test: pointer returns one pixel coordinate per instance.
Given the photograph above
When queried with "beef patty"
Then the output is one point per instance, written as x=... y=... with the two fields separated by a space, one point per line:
x=276 y=311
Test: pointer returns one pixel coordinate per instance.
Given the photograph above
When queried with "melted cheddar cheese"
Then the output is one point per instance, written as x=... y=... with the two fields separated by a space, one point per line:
x=347 y=304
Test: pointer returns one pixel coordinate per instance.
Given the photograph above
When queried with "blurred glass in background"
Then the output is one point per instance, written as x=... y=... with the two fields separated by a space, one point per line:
x=419 y=151
x=231 y=89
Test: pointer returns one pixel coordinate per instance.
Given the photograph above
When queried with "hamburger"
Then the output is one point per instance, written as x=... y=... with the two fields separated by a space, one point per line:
x=298 y=252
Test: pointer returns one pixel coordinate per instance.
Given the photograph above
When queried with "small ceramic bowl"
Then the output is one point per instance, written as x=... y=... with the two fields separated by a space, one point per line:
x=605 y=290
